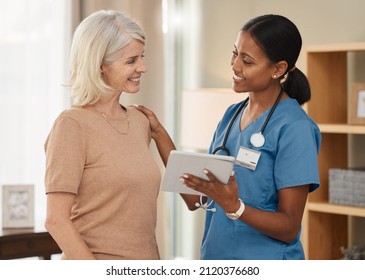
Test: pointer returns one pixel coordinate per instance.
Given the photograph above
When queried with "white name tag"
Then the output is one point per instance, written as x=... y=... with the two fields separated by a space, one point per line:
x=248 y=158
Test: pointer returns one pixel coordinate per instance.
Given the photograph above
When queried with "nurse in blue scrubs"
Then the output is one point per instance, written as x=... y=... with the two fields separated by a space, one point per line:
x=258 y=213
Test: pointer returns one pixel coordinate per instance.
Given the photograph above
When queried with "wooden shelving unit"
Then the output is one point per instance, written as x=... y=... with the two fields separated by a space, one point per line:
x=325 y=225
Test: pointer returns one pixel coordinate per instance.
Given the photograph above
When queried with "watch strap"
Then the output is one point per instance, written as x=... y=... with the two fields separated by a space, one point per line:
x=238 y=213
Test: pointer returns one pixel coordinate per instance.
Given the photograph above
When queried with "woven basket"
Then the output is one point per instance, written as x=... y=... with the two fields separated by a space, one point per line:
x=347 y=187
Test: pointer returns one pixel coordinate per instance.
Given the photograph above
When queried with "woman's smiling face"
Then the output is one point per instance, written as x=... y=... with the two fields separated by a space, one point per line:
x=125 y=73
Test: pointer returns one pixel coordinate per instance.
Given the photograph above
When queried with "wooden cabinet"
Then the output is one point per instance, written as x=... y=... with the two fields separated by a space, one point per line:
x=326 y=226
x=23 y=243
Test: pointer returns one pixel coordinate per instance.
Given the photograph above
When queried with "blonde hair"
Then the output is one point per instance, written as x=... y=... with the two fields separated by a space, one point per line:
x=97 y=41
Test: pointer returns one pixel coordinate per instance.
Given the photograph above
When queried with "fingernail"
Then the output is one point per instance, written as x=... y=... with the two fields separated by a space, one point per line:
x=135 y=105
x=185 y=176
x=205 y=171
x=232 y=173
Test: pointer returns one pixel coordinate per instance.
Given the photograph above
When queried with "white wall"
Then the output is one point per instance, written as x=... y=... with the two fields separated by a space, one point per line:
x=33 y=55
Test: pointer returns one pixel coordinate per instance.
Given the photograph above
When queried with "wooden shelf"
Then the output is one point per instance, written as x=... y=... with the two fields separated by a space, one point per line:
x=325 y=207
x=326 y=226
x=341 y=47
x=342 y=128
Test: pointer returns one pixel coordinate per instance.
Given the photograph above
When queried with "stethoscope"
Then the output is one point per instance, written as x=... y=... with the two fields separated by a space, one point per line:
x=257 y=140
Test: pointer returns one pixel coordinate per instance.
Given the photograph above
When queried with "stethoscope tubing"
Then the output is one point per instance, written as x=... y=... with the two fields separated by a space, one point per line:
x=240 y=108
x=223 y=146
x=272 y=111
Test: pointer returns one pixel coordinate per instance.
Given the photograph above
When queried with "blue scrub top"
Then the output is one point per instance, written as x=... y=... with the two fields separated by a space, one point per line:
x=288 y=158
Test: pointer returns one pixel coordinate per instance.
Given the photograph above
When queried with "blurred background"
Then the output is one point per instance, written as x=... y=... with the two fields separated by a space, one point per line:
x=188 y=49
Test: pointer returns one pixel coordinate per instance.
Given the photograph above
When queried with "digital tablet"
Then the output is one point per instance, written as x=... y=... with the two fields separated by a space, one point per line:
x=180 y=162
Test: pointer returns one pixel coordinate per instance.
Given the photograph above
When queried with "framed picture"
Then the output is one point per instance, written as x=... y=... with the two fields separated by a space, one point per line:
x=18 y=206
x=356 y=110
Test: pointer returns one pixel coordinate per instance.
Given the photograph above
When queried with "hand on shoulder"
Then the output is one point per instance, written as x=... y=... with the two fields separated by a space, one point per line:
x=154 y=122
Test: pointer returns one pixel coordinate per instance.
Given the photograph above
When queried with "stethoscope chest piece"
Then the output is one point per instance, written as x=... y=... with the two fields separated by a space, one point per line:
x=257 y=139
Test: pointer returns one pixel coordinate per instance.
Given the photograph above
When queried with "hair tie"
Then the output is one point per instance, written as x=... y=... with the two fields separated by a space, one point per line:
x=292 y=69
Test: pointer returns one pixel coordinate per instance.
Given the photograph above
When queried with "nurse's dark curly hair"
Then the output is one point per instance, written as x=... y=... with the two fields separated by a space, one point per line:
x=281 y=41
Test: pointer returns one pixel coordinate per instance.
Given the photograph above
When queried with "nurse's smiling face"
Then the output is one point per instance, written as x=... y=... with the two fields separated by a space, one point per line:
x=252 y=70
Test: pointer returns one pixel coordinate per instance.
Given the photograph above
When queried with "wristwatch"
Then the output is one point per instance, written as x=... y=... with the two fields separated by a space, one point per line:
x=238 y=213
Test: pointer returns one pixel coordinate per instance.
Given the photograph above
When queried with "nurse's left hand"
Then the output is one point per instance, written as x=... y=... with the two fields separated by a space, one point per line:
x=225 y=195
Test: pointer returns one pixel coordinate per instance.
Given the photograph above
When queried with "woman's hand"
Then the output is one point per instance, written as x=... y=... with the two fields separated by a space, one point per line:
x=225 y=195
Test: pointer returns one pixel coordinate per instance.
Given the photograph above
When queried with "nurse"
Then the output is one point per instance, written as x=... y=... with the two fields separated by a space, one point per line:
x=258 y=213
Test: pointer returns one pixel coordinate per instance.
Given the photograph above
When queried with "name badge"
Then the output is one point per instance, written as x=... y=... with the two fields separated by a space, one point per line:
x=248 y=158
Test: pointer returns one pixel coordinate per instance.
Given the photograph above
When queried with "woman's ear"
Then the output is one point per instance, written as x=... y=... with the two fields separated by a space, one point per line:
x=280 y=68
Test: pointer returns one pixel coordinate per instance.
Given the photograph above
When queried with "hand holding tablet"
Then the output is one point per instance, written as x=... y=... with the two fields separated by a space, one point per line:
x=180 y=162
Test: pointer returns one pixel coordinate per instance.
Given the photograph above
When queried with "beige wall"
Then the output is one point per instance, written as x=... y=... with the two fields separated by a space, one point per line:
x=320 y=22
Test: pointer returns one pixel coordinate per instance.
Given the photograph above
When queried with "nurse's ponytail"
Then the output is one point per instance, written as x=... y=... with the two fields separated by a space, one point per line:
x=297 y=86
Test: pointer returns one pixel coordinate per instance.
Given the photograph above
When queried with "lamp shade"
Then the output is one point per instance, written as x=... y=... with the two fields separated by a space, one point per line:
x=201 y=110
